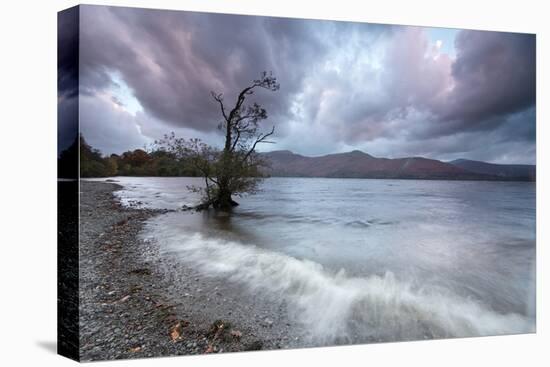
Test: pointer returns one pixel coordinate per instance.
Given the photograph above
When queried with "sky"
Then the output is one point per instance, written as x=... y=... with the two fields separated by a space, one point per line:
x=388 y=90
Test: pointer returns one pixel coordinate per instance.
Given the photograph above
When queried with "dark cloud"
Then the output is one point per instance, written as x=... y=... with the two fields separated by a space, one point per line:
x=67 y=77
x=494 y=75
x=512 y=141
x=388 y=90
x=172 y=60
x=67 y=52
x=67 y=123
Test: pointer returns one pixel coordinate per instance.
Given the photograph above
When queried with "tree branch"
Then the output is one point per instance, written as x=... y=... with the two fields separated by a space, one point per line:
x=213 y=180
x=260 y=139
x=219 y=99
x=236 y=140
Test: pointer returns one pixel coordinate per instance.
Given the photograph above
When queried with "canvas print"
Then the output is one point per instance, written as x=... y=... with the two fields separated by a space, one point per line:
x=234 y=183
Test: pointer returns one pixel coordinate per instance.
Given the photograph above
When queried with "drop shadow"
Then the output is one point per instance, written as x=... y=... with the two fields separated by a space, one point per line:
x=48 y=345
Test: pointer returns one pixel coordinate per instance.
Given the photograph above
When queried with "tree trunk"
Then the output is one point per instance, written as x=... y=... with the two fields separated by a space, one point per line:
x=224 y=201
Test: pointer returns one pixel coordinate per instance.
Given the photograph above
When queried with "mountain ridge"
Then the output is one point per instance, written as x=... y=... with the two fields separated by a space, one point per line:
x=358 y=164
x=527 y=171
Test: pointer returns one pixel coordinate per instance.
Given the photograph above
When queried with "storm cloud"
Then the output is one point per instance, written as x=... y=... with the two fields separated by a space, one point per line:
x=67 y=77
x=387 y=90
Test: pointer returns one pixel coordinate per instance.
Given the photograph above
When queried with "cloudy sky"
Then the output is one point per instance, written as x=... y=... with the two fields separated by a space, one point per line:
x=391 y=91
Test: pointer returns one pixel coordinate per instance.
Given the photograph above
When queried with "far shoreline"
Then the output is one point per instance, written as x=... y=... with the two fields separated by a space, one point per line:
x=332 y=178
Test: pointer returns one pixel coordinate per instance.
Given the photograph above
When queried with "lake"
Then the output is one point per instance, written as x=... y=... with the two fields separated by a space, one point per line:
x=365 y=260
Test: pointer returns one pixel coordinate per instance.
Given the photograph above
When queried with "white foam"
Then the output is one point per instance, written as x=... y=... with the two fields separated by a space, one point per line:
x=332 y=306
x=156 y=192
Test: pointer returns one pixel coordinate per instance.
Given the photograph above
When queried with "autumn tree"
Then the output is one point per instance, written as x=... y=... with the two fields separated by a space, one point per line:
x=92 y=164
x=235 y=169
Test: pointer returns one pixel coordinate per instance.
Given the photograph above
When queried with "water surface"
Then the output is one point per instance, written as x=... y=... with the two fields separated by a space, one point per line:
x=365 y=260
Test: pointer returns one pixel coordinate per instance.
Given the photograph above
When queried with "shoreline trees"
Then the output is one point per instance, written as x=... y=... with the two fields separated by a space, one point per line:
x=234 y=170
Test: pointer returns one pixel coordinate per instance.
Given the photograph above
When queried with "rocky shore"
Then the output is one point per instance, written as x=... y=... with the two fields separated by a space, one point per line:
x=135 y=304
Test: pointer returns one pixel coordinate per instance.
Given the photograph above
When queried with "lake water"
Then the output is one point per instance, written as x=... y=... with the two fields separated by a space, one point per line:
x=366 y=260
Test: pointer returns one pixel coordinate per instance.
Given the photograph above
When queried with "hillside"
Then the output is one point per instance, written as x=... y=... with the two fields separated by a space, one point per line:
x=517 y=171
x=357 y=164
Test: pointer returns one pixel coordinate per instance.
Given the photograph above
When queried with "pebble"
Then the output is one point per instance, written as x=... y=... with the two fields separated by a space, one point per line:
x=104 y=280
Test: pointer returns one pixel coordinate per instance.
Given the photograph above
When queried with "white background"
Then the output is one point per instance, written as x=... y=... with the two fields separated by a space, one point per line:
x=28 y=183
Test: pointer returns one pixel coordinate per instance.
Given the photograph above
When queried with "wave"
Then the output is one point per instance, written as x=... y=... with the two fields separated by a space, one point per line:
x=309 y=219
x=332 y=306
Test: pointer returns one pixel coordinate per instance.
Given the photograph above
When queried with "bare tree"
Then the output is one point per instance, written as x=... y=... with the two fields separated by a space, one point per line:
x=236 y=169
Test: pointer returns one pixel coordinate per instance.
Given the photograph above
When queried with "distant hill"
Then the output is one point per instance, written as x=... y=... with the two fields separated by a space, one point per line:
x=357 y=164
x=517 y=171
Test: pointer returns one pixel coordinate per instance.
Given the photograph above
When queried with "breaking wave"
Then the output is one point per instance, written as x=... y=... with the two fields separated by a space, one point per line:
x=332 y=306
